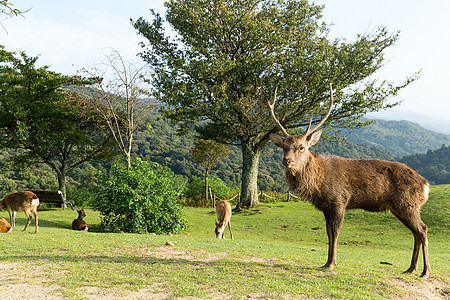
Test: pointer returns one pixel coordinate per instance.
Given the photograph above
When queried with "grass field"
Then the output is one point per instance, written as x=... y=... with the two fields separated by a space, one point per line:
x=277 y=254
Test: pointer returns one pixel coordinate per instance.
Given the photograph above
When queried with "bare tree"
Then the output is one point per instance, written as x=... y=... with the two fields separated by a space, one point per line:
x=119 y=96
x=334 y=184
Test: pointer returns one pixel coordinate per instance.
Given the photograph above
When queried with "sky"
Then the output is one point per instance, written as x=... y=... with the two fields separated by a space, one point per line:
x=70 y=35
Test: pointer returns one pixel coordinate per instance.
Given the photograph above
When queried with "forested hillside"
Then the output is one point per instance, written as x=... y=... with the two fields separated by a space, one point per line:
x=434 y=165
x=400 y=138
x=166 y=147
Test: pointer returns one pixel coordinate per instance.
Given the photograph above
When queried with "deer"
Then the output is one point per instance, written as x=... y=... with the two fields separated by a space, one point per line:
x=223 y=213
x=25 y=201
x=79 y=223
x=334 y=184
x=4 y=226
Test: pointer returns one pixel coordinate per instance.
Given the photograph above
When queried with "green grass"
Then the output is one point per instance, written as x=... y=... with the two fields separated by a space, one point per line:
x=277 y=253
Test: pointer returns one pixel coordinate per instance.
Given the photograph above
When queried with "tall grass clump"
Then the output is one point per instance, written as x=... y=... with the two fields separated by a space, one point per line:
x=143 y=198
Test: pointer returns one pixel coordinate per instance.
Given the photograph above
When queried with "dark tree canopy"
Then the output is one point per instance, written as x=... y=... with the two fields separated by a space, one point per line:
x=228 y=57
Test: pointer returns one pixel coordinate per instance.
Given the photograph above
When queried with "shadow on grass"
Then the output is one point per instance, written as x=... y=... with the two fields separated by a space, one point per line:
x=43 y=223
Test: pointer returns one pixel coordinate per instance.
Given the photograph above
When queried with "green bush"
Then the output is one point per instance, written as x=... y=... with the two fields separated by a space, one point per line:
x=139 y=200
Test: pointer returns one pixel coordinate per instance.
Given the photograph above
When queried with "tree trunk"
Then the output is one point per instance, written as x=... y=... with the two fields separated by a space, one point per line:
x=206 y=188
x=128 y=150
x=128 y=158
x=250 y=158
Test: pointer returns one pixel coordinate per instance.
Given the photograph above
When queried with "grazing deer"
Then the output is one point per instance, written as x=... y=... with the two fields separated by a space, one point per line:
x=223 y=212
x=334 y=184
x=25 y=201
x=79 y=223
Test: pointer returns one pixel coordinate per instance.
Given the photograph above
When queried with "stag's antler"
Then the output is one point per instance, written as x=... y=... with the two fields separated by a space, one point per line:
x=272 y=113
x=308 y=131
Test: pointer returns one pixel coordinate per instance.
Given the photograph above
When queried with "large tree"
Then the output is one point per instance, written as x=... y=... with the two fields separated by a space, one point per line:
x=38 y=117
x=227 y=57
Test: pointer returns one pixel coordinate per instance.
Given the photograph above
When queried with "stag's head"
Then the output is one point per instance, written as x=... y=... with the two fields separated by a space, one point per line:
x=296 y=148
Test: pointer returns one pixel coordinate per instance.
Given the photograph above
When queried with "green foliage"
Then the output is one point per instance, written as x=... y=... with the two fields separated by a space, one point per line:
x=195 y=189
x=208 y=153
x=140 y=199
x=434 y=165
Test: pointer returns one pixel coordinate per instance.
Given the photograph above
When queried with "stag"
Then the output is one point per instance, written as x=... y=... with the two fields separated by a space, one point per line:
x=334 y=184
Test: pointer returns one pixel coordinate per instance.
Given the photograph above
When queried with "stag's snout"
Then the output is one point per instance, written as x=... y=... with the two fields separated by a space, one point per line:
x=287 y=162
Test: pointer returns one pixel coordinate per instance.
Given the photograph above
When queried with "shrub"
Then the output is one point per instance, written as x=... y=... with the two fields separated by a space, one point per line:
x=139 y=200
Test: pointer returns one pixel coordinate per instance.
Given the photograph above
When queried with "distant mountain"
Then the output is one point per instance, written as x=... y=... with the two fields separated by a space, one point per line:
x=433 y=123
x=400 y=138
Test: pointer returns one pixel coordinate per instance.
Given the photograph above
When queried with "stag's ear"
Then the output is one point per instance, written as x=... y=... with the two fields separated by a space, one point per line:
x=314 y=137
x=276 y=139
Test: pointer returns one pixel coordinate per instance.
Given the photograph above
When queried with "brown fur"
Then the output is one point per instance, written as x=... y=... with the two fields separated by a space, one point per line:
x=223 y=213
x=334 y=184
x=79 y=223
x=25 y=201
x=4 y=226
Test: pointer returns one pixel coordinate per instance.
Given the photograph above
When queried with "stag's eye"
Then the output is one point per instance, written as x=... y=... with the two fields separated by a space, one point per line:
x=301 y=148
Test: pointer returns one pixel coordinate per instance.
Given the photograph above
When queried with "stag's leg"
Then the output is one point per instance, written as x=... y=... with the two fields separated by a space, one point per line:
x=229 y=227
x=334 y=221
x=426 y=261
x=419 y=230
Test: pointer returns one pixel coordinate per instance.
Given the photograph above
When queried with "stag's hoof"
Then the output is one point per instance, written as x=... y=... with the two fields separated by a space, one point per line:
x=409 y=271
x=327 y=267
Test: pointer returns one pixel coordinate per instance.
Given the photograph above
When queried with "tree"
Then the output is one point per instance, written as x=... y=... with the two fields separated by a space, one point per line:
x=37 y=116
x=228 y=57
x=119 y=96
x=208 y=153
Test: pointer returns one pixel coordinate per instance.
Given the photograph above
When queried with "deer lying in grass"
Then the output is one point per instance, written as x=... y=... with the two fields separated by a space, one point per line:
x=223 y=213
x=4 y=226
x=79 y=223
x=25 y=201
x=334 y=184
